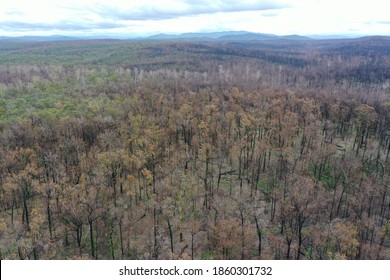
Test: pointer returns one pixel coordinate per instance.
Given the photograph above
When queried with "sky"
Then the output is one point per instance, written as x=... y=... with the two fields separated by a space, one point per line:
x=138 y=18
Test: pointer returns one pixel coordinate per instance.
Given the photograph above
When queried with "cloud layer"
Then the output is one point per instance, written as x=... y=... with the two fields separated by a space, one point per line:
x=145 y=17
x=61 y=25
x=152 y=10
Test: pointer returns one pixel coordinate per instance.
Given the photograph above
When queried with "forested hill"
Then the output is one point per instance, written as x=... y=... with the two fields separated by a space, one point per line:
x=361 y=61
x=115 y=149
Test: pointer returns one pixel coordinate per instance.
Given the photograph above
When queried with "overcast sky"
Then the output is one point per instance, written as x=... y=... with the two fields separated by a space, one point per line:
x=146 y=17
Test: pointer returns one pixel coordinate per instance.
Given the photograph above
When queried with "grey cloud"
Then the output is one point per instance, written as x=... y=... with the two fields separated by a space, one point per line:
x=269 y=14
x=114 y=16
x=25 y=26
x=186 y=8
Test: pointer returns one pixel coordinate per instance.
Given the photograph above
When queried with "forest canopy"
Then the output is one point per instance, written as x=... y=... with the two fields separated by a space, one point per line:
x=195 y=150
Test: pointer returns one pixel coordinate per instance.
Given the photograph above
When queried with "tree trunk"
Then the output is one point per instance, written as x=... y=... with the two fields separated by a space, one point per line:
x=258 y=229
x=49 y=217
x=170 y=235
x=121 y=238
x=91 y=238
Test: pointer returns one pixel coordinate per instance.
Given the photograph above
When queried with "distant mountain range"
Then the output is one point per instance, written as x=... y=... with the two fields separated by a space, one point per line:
x=207 y=36
x=227 y=36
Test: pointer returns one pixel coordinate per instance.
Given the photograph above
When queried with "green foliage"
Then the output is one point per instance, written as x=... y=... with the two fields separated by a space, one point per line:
x=264 y=186
x=327 y=173
x=208 y=255
x=3 y=108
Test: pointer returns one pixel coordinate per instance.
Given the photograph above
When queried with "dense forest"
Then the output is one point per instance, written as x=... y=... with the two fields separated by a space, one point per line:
x=116 y=149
